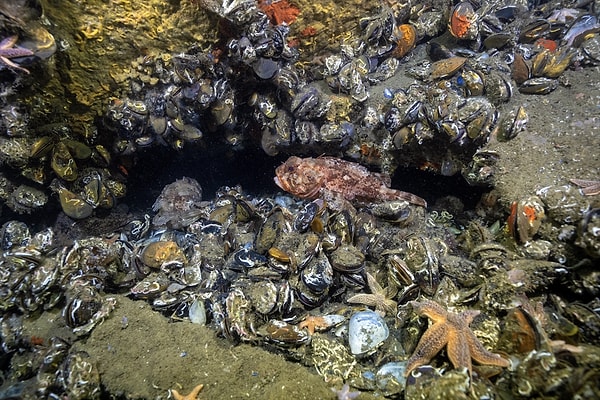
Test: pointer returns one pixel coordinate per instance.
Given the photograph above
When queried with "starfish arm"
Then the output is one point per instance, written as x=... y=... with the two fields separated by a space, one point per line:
x=458 y=350
x=430 y=309
x=584 y=182
x=432 y=341
x=465 y=318
x=389 y=306
x=588 y=187
x=363 y=298
x=8 y=42
x=374 y=286
x=12 y=64
x=481 y=354
x=15 y=52
x=193 y=395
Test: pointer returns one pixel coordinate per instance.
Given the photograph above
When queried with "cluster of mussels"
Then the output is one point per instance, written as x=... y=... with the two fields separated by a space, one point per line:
x=298 y=277
x=252 y=89
x=32 y=154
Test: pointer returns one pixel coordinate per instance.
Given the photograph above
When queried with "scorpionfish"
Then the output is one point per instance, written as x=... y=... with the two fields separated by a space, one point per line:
x=310 y=178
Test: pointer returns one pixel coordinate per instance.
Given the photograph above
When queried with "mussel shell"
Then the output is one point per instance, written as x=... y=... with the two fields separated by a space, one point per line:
x=41 y=146
x=392 y=119
x=512 y=123
x=305 y=217
x=538 y=86
x=74 y=205
x=265 y=68
x=347 y=258
x=93 y=190
x=526 y=217
x=221 y=110
x=77 y=149
x=284 y=334
x=463 y=24
x=497 y=40
x=318 y=275
x=473 y=82
x=520 y=69
x=406 y=38
x=63 y=163
x=581 y=29
x=390 y=378
x=161 y=252
x=446 y=67
x=263 y=295
x=269 y=231
x=80 y=309
x=245 y=258
x=497 y=88
x=534 y=30
x=366 y=331
x=396 y=211
x=14 y=233
x=588 y=233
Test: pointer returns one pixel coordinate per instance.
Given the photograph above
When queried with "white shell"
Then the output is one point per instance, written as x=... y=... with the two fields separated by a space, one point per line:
x=197 y=312
x=367 y=330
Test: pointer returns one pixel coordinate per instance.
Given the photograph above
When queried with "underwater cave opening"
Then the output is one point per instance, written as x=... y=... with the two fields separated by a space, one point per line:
x=249 y=167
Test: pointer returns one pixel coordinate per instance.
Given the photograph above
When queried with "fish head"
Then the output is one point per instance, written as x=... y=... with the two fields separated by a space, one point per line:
x=300 y=177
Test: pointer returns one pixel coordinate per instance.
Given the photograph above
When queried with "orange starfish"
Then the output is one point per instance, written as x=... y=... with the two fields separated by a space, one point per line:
x=314 y=323
x=452 y=331
x=193 y=395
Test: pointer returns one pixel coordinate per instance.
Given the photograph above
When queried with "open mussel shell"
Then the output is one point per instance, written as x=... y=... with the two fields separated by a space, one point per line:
x=526 y=217
x=463 y=21
x=551 y=64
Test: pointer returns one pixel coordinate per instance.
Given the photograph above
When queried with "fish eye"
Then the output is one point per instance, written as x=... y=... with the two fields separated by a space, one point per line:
x=290 y=169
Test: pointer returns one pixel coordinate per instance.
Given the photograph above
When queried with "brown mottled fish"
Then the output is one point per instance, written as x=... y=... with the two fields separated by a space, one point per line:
x=309 y=178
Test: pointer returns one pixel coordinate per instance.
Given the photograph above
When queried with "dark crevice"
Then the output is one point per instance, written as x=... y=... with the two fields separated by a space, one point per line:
x=218 y=165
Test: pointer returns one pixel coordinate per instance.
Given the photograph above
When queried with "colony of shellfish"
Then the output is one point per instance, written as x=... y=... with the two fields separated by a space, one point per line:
x=342 y=288
x=253 y=88
x=331 y=287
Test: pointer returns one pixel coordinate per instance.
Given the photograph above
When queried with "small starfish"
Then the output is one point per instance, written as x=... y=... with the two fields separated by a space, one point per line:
x=193 y=395
x=8 y=51
x=452 y=331
x=588 y=188
x=314 y=323
x=344 y=393
x=320 y=323
x=380 y=298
